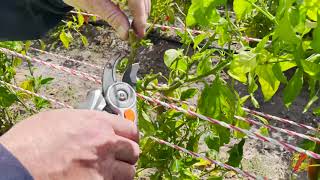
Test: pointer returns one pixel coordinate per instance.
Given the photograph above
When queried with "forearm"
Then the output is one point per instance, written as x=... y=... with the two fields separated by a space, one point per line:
x=10 y=167
x=29 y=19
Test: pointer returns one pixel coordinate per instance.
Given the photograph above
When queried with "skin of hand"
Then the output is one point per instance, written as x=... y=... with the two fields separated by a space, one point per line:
x=111 y=13
x=75 y=144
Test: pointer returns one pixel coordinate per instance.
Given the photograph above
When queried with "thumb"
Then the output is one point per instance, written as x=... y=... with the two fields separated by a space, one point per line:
x=108 y=11
x=116 y=18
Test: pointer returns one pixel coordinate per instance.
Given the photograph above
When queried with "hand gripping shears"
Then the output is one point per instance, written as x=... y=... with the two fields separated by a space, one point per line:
x=117 y=97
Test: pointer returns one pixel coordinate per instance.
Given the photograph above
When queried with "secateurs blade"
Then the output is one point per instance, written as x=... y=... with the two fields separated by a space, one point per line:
x=116 y=96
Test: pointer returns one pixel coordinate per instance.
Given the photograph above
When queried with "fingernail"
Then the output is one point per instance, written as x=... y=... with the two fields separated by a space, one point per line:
x=139 y=28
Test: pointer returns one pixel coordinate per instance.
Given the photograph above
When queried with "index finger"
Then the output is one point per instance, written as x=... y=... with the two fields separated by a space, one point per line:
x=123 y=127
x=140 y=10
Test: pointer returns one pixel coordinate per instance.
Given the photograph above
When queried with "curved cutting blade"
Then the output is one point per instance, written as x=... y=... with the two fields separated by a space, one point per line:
x=130 y=75
x=109 y=76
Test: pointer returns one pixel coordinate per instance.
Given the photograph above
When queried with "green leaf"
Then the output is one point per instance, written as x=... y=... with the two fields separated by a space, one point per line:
x=40 y=103
x=262 y=44
x=236 y=154
x=244 y=99
x=224 y=134
x=13 y=45
x=218 y=101
x=46 y=80
x=293 y=89
x=213 y=142
x=287 y=65
x=193 y=143
x=180 y=64
x=311 y=101
x=198 y=39
x=204 y=66
x=42 y=44
x=316 y=111
x=84 y=40
x=308 y=145
x=64 y=39
x=185 y=38
x=242 y=63
x=262 y=119
x=242 y=125
x=94 y=18
x=278 y=73
x=315 y=44
x=284 y=31
x=217 y=138
x=242 y=8
x=254 y=101
x=27 y=45
x=80 y=19
x=264 y=131
x=17 y=62
x=28 y=85
x=189 y=93
x=203 y=12
x=202 y=163
x=6 y=97
x=176 y=165
x=268 y=81
x=69 y=24
x=252 y=85
x=171 y=55
x=223 y=31
x=145 y=123
x=311 y=68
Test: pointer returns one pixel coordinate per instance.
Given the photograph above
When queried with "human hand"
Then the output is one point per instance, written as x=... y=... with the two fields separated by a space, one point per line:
x=75 y=144
x=139 y=9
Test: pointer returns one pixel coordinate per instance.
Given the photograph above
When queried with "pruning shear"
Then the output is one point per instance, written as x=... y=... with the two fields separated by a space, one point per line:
x=117 y=97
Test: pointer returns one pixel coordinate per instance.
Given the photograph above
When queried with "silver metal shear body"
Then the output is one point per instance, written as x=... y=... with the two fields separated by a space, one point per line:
x=117 y=97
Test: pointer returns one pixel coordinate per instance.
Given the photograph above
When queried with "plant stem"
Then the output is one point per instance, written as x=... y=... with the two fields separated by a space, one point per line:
x=150 y=79
x=32 y=111
x=265 y=12
x=208 y=43
x=213 y=71
x=177 y=84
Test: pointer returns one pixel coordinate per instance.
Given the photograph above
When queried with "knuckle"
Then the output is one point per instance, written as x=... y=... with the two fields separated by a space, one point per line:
x=132 y=172
x=136 y=152
x=111 y=142
x=112 y=17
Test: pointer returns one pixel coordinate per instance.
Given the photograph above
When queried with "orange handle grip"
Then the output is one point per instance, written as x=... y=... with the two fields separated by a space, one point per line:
x=130 y=115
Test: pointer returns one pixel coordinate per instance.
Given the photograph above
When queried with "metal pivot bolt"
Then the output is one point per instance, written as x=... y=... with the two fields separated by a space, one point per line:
x=122 y=95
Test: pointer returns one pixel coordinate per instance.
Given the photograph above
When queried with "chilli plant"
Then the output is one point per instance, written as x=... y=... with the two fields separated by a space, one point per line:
x=204 y=71
x=16 y=105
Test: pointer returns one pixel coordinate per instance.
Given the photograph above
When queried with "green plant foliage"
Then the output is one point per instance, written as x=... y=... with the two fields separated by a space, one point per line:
x=242 y=8
x=12 y=102
x=204 y=71
x=203 y=12
x=236 y=154
x=289 y=43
